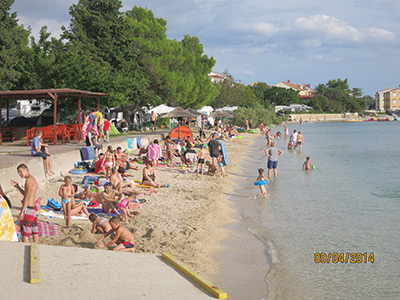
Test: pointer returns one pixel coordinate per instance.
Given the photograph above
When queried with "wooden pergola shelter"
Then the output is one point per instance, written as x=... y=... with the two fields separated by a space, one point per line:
x=51 y=94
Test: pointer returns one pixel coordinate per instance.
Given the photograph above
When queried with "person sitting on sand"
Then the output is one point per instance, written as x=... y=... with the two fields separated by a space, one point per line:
x=99 y=225
x=150 y=175
x=78 y=208
x=120 y=185
x=123 y=237
x=110 y=198
x=307 y=164
x=122 y=160
x=126 y=204
x=67 y=194
x=40 y=149
x=261 y=177
x=100 y=164
x=211 y=168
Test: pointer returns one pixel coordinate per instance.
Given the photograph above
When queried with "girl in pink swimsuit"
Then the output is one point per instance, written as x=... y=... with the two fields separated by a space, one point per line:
x=127 y=204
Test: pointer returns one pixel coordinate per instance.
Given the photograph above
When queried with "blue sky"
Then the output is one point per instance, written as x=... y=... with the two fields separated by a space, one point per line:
x=306 y=42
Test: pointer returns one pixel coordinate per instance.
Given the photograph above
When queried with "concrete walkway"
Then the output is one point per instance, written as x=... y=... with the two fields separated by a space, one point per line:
x=78 y=273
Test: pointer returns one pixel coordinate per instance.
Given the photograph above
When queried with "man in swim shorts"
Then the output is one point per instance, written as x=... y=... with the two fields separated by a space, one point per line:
x=27 y=216
x=272 y=152
x=214 y=146
x=153 y=121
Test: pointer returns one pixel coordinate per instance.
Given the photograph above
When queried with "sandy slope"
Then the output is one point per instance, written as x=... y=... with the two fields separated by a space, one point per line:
x=185 y=220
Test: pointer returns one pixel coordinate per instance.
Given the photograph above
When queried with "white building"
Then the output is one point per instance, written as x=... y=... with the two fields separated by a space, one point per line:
x=218 y=77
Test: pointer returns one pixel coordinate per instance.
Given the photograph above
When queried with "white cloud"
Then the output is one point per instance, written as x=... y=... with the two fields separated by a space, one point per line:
x=330 y=30
x=328 y=27
x=264 y=28
x=381 y=34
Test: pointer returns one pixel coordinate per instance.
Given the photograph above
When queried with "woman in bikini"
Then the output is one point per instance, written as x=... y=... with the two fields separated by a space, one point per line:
x=169 y=146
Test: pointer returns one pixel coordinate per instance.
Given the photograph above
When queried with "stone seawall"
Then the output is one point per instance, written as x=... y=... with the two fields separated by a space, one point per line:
x=323 y=117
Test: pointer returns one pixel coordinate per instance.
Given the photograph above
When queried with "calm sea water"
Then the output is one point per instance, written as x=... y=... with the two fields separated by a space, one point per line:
x=349 y=204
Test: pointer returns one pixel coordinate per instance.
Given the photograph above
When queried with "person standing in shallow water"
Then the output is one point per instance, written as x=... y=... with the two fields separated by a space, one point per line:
x=273 y=153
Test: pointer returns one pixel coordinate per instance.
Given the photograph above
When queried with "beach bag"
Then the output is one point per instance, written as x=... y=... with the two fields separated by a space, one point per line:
x=53 y=203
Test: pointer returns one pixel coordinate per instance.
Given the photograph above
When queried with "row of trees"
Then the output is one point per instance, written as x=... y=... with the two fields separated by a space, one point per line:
x=128 y=55
x=334 y=96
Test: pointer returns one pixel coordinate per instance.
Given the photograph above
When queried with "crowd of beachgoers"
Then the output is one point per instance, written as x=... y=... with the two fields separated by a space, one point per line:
x=107 y=195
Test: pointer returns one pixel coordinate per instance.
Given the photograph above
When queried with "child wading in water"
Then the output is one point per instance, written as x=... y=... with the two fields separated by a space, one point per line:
x=122 y=236
x=261 y=177
x=307 y=164
x=67 y=193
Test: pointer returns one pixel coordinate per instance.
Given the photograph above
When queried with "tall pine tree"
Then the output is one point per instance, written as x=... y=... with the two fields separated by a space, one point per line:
x=13 y=42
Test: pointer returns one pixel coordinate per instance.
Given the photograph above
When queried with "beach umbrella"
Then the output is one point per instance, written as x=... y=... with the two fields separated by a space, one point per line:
x=193 y=111
x=220 y=114
x=179 y=112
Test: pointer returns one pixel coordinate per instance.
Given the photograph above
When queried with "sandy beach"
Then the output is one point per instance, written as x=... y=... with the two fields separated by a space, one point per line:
x=188 y=219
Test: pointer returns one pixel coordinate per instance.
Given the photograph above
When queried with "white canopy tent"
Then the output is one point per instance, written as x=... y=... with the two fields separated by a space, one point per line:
x=161 y=109
x=206 y=110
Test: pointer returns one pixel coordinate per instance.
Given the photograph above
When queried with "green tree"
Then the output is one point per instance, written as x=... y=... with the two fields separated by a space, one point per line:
x=340 y=96
x=99 y=33
x=232 y=93
x=356 y=92
x=260 y=91
x=281 y=96
x=258 y=113
x=13 y=45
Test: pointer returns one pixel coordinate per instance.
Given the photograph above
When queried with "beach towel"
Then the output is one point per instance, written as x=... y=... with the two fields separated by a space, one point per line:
x=50 y=214
x=154 y=152
x=87 y=153
x=7 y=226
x=46 y=229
